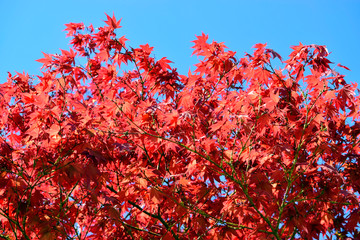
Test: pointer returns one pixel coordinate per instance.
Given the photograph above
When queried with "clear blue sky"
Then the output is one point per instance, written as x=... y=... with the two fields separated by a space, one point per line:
x=29 y=27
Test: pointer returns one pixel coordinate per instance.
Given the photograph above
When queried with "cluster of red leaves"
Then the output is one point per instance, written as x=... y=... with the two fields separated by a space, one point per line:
x=234 y=150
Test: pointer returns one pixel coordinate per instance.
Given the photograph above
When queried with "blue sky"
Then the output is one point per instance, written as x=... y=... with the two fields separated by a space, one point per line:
x=29 y=27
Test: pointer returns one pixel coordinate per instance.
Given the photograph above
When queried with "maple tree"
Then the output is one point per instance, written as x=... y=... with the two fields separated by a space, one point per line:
x=236 y=149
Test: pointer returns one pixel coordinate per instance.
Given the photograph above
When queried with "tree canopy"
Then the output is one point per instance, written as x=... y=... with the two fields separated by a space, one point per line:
x=112 y=143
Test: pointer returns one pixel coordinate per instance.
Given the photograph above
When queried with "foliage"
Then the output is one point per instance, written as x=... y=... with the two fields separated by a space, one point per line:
x=236 y=149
